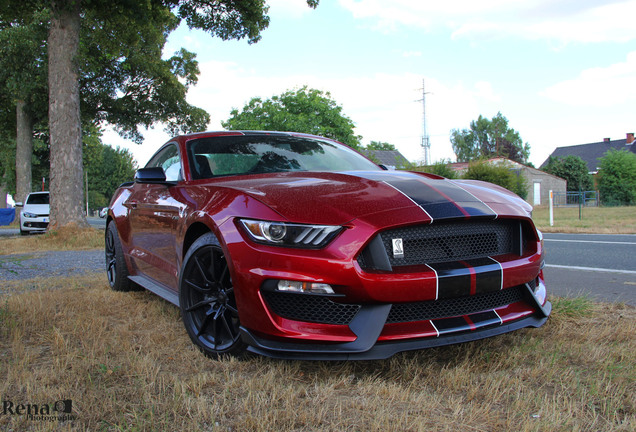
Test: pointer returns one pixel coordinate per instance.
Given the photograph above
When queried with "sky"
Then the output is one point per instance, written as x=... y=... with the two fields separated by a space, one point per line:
x=563 y=72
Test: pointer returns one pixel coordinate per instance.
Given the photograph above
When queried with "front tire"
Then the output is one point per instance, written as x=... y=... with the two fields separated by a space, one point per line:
x=207 y=300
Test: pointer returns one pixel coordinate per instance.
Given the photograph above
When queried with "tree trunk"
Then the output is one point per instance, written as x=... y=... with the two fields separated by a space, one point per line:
x=3 y=195
x=64 y=117
x=23 y=152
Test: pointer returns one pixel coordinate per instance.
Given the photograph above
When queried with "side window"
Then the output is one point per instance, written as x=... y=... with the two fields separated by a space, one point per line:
x=168 y=159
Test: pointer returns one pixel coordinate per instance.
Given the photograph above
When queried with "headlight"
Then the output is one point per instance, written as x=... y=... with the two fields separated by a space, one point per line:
x=29 y=215
x=289 y=234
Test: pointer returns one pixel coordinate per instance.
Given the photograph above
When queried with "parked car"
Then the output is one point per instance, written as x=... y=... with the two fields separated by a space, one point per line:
x=34 y=216
x=296 y=246
x=103 y=212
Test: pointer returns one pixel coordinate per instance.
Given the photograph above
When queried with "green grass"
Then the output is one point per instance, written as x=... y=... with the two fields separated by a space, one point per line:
x=601 y=220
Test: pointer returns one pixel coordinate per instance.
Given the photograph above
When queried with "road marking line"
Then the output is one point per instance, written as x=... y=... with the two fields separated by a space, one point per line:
x=591 y=269
x=588 y=241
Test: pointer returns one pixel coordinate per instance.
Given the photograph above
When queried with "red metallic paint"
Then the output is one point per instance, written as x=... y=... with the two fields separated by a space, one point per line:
x=153 y=223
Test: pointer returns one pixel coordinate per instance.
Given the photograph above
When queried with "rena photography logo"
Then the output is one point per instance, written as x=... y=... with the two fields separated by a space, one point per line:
x=60 y=410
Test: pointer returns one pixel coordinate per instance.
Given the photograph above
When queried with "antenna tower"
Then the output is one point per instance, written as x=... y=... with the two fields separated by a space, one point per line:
x=426 y=144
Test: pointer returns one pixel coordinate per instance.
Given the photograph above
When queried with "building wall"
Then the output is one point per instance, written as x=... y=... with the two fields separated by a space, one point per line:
x=546 y=181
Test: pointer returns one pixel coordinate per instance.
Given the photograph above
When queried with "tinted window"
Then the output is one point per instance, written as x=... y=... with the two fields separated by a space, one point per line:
x=168 y=159
x=38 y=199
x=253 y=154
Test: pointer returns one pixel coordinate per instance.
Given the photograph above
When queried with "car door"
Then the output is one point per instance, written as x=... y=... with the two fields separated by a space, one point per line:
x=153 y=213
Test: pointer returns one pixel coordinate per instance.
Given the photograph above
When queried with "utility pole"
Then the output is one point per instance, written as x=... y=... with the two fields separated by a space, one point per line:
x=426 y=144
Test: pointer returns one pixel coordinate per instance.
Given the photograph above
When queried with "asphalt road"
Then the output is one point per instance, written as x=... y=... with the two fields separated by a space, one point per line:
x=600 y=266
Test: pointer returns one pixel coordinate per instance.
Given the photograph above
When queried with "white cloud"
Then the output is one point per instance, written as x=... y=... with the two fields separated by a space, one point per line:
x=598 y=87
x=384 y=107
x=555 y=20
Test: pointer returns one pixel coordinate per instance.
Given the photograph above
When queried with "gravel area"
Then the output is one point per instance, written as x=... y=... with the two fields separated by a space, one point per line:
x=50 y=264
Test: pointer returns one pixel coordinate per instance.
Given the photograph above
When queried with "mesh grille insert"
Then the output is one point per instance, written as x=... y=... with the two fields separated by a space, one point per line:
x=450 y=241
x=421 y=311
x=302 y=307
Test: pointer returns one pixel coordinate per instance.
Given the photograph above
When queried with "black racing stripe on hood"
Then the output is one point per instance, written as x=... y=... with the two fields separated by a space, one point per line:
x=441 y=199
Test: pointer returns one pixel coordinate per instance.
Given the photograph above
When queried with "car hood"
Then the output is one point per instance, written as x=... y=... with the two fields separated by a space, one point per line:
x=339 y=197
x=38 y=209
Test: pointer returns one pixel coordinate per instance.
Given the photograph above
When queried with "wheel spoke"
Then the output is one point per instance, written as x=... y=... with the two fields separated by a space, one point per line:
x=233 y=310
x=223 y=276
x=197 y=287
x=204 y=325
x=201 y=271
x=227 y=327
x=201 y=304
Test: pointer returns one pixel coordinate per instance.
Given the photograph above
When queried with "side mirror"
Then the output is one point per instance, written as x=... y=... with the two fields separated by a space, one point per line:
x=152 y=175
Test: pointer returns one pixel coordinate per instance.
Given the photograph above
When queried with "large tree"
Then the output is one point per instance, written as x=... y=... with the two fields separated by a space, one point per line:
x=227 y=19
x=573 y=169
x=303 y=110
x=23 y=81
x=489 y=138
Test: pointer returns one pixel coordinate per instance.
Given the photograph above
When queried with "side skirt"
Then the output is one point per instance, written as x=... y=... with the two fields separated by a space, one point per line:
x=154 y=287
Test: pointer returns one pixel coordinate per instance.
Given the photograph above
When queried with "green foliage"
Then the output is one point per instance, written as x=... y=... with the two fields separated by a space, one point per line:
x=124 y=81
x=106 y=168
x=617 y=178
x=573 y=169
x=440 y=168
x=489 y=138
x=501 y=175
x=304 y=110
x=377 y=145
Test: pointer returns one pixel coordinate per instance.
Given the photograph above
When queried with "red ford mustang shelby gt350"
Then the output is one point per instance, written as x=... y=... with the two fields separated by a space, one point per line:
x=295 y=246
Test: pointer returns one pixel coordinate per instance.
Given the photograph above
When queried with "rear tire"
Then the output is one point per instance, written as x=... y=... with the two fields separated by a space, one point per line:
x=207 y=300
x=116 y=268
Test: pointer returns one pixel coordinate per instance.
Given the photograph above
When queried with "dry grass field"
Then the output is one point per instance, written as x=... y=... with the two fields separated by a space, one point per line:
x=71 y=238
x=127 y=364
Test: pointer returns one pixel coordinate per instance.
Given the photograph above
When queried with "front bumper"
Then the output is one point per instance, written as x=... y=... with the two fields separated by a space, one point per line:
x=370 y=324
x=35 y=224
x=385 y=321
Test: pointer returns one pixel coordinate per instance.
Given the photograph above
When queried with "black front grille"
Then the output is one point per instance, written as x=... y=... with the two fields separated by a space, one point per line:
x=448 y=241
x=303 y=307
x=421 y=311
x=36 y=224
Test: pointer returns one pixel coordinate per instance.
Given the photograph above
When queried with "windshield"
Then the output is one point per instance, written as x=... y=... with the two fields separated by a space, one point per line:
x=255 y=154
x=41 y=198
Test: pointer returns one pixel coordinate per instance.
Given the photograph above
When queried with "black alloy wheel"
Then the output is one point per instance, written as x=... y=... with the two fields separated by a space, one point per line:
x=116 y=269
x=207 y=301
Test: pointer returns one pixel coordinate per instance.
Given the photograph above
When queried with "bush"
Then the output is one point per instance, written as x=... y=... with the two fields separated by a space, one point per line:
x=617 y=178
x=441 y=168
x=501 y=175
